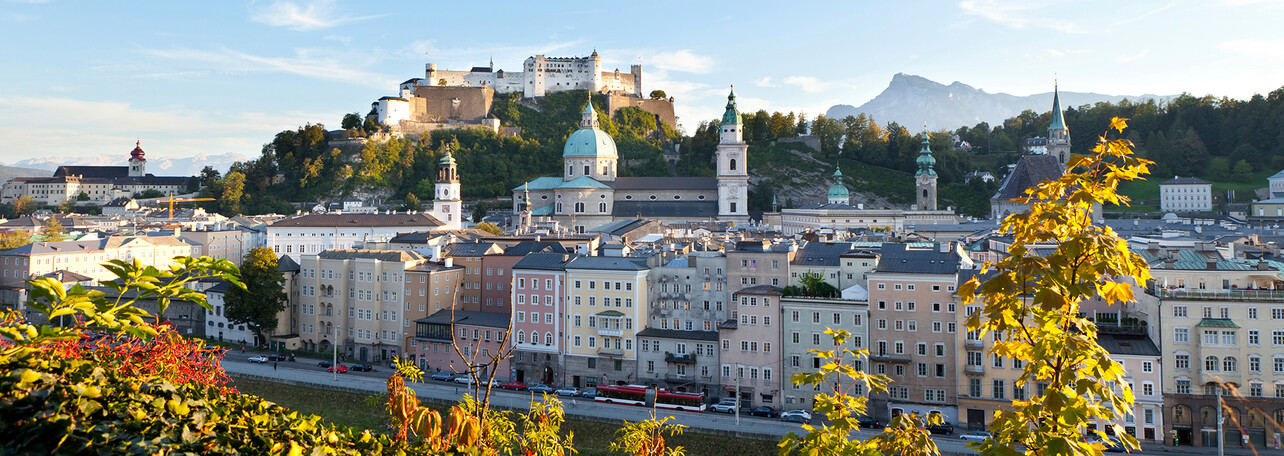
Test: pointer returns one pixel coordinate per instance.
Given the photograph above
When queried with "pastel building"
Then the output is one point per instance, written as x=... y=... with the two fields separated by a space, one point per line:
x=1185 y=194
x=355 y=299
x=750 y=349
x=539 y=324
x=605 y=307
x=453 y=340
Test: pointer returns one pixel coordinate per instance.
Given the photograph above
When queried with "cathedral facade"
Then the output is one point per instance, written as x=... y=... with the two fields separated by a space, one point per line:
x=590 y=193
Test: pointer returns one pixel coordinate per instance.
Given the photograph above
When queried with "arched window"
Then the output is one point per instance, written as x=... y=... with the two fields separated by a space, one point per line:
x=570 y=170
x=586 y=170
x=1210 y=364
x=1181 y=414
x=601 y=207
x=924 y=194
x=548 y=338
x=521 y=337
x=534 y=338
x=606 y=169
x=559 y=207
x=1229 y=364
x=579 y=207
x=733 y=164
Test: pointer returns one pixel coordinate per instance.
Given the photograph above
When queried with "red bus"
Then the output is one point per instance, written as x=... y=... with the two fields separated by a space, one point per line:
x=645 y=396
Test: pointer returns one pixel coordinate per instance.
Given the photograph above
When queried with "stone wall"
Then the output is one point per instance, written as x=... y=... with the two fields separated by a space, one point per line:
x=663 y=109
x=440 y=104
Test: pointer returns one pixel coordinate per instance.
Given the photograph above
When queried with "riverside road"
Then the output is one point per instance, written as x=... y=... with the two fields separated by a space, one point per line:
x=306 y=372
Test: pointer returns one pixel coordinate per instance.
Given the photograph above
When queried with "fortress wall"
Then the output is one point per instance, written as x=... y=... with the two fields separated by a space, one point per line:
x=435 y=104
x=661 y=108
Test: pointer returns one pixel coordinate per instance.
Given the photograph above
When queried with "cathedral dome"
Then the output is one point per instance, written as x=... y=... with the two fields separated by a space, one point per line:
x=590 y=142
x=137 y=153
x=838 y=191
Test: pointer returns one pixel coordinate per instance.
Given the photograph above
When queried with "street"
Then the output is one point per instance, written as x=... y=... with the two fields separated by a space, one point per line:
x=306 y=372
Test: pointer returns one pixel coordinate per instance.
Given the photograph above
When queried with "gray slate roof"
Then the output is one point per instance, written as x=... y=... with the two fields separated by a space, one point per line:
x=359 y=220
x=665 y=183
x=1183 y=181
x=1127 y=344
x=468 y=249
x=608 y=263
x=821 y=254
x=381 y=255
x=1030 y=171
x=544 y=261
x=468 y=317
x=660 y=208
x=676 y=334
x=529 y=247
x=900 y=258
x=286 y=264
x=762 y=290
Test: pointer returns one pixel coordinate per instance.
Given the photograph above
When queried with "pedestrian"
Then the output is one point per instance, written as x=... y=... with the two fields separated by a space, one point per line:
x=273 y=365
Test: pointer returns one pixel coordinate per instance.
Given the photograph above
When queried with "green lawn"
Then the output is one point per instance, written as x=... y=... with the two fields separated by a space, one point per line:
x=365 y=411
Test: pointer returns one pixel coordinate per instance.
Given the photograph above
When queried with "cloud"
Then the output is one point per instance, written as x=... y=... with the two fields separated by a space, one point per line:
x=311 y=63
x=304 y=16
x=1017 y=14
x=765 y=82
x=683 y=61
x=57 y=126
x=1261 y=49
x=1134 y=57
x=811 y=84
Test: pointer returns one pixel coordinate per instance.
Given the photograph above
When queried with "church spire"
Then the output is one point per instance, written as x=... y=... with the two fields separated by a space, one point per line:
x=925 y=161
x=1058 y=119
x=732 y=116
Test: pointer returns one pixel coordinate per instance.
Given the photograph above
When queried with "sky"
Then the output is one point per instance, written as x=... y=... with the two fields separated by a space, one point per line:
x=86 y=78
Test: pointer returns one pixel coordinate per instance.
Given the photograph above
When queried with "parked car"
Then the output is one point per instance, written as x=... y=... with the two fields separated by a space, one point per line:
x=806 y=416
x=867 y=421
x=464 y=379
x=943 y=428
x=515 y=386
x=765 y=411
x=339 y=367
x=725 y=406
x=361 y=367
x=543 y=389
x=324 y=364
x=796 y=418
x=567 y=391
x=976 y=436
x=275 y=357
x=258 y=359
x=443 y=376
x=590 y=393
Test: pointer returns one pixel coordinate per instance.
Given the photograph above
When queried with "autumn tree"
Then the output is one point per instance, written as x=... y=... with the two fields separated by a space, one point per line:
x=53 y=230
x=1031 y=301
x=231 y=189
x=24 y=206
x=14 y=239
x=263 y=297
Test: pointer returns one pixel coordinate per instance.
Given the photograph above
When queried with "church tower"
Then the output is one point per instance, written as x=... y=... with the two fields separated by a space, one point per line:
x=838 y=193
x=137 y=161
x=733 y=176
x=446 y=205
x=925 y=178
x=1058 y=133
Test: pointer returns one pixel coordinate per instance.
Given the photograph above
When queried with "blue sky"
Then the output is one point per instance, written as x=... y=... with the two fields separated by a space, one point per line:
x=87 y=78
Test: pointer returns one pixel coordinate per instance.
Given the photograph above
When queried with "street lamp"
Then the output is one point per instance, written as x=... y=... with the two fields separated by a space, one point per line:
x=334 y=361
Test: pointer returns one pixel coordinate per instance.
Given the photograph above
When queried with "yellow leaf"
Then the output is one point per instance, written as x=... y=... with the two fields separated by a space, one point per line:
x=1118 y=123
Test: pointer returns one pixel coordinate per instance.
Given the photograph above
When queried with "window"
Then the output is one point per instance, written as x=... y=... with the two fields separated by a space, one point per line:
x=1181 y=335
x=999 y=389
x=1182 y=362
x=1147 y=389
x=1253 y=337
x=1210 y=364
x=1179 y=311
x=1183 y=386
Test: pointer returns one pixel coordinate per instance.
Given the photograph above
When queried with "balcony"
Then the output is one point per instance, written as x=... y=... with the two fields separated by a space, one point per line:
x=609 y=352
x=970 y=343
x=610 y=332
x=679 y=359
x=974 y=370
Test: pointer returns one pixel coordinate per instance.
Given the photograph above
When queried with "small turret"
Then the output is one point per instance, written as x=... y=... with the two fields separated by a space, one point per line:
x=925 y=178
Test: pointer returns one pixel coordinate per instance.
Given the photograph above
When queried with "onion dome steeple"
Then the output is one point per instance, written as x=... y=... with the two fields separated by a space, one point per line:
x=925 y=161
x=137 y=153
x=838 y=193
x=732 y=116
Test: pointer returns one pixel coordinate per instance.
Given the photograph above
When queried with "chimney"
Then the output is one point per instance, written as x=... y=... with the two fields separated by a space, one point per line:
x=945 y=247
x=450 y=262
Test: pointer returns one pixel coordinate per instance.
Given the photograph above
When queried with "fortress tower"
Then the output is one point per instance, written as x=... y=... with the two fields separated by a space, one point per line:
x=446 y=205
x=733 y=175
x=925 y=178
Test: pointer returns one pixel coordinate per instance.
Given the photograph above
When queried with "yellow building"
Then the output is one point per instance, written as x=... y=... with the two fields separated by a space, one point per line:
x=604 y=311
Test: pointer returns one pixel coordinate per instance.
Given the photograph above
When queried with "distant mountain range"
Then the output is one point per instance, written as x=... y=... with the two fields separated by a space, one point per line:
x=912 y=100
x=10 y=172
x=187 y=166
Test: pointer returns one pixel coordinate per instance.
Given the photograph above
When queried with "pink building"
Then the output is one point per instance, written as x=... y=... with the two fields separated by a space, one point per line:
x=750 y=347
x=539 y=283
x=476 y=334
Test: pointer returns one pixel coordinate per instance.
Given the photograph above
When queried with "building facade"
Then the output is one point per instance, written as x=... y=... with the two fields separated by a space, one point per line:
x=355 y=299
x=605 y=299
x=805 y=322
x=539 y=326
x=750 y=348
x=1185 y=194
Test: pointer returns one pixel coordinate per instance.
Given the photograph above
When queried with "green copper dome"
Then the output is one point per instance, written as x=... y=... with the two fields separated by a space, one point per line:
x=732 y=116
x=589 y=140
x=925 y=161
x=449 y=159
x=838 y=190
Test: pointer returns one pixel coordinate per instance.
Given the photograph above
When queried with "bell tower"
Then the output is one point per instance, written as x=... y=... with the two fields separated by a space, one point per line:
x=733 y=175
x=925 y=178
x=137 y=161
x=1058 y=132
x=446 y=205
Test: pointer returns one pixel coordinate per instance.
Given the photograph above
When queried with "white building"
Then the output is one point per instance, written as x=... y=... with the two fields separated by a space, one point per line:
x=540 y=75
x=101 y=184
x=217 y=326
x=1185 y=194
x=1276 y=185
x=314 y=233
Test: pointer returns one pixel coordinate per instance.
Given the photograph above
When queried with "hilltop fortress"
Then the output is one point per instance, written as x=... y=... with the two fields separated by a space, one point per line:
x=462 y=99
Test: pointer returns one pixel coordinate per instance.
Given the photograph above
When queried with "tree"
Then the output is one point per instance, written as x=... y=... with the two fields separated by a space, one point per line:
x=412 y=203
x=232 y=188
x=209 y=175
x=479 y=212
x=193 y=184
x=1032 y=300
x=82 y=197
x=489 y=228
x=351 y=120
x=14 y=239
x=263 y=297
x=1242 y=172
x=24 y=206
x=658 y=95
x=53 y=231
